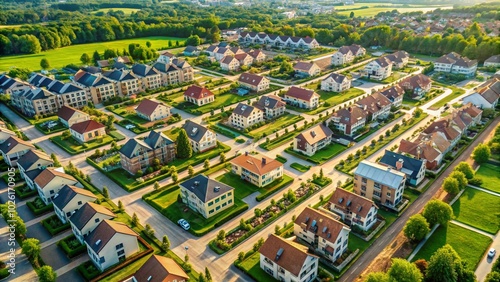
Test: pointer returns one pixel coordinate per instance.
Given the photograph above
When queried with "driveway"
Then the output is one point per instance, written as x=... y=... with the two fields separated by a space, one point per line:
x=54 y=256
x=38 y=231
x=73 y=276
x=25 y=213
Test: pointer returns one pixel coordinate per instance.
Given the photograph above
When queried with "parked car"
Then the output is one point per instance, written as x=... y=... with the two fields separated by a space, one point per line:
x=51 y=124
x=184 y=224
x=129 y=126
x=492 y=253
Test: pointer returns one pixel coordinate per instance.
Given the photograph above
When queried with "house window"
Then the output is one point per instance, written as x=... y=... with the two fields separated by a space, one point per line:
x=217 y=208
x=210 y=203
x=217 y=200
x=230 y=201
x=121 y=252
x=102 y=260
x=96 y=220
x=122 y=258
x=79 y=203
x=119 y=246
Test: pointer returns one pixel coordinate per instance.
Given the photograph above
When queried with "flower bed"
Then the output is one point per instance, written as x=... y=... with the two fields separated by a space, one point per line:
x=24 y=192
x=38 y=207
x=71 y=246
x=88 y=270
x=54 y=225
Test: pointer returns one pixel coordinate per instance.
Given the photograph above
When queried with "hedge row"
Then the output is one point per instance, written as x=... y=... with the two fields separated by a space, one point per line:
x=37 y=212
x=71 y=253
x=25 y=195
x=268 y=193
x=54 y=231
x=82 y=268
x=222 y=131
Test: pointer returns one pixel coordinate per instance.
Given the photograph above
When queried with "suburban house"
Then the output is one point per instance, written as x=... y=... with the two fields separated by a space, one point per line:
x=322 y=232
x=9 y=85
x=69 y=116
x=259 y=172
x=353 y=209
x=349 y=120
x=347 y=54
x=379 y=69
x=417 y=85
x=282 y=41
x=206 y=196
x=379 y=183
x=191 y=51
x=139 y=154
x=159 y=269
x=70 y=199
x=35 y=101
x=222 y=52
x=96 y=85
x=165 y=57
x=301 y=98
x=272 y=106
x=395 y=94
x=456 y=64
x=287 y=261
x=413 y=168
x=305 y=69
x=245 y=116
x=253 y=82
x=487 y=94
x=493 y=61
x=32 y=164
x=88 y=130
x=258 y=56
x=149 y=76
x=312 y=140
x=127 y=83
x=336 y=83
x=14 y=148
x=399 y=59
x=470 y=114
x=446 y=126
x=120 y=61
x=201 y=138
x=5 y=134
x=376 y=106
x=86 y=219
x=111 y=242
x=50 y=181
x=230 y=63
x=426 y=150
x=198 y=95
x=152 y=110
x=244 y=59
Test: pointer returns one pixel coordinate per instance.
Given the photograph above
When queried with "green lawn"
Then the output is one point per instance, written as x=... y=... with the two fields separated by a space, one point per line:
x=73 y=147
x=490 y=174
x=322 y=155
x=478 y=209
x=129 y=114
x=456 y=93
x=331 y=99
x=251 y=266
x=71 y=55
x=383 y=7
x=173 y=133
x=469 y=245
x=244 y=188
x=277 y=124
x=300 y=167
x=126 y=11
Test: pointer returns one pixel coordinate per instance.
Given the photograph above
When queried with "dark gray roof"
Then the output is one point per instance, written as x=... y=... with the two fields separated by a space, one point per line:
x=12 y=142
x=86 y=212
x=67 y=193
x=149 y=143
x=269 y=102
x=143 y=70
x=31 y=157
x=243 y=110
x=190 y=49
x=339 y=78
x=92 y=69
x=204 y=187
x=194 y=131
x=411 y=166
x=32 y=174
x=8 y=83
x=3 y=78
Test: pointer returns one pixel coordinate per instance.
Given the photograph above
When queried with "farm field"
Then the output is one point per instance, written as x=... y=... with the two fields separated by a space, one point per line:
x=126 y=11
x=63 y=56
x=375 y=8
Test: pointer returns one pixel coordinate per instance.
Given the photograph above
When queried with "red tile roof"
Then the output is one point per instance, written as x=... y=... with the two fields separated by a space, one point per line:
x=197 y=92
x=87 y=126
x=301 y=93
x=66 y=112
x=147 y=107
x=256 y=165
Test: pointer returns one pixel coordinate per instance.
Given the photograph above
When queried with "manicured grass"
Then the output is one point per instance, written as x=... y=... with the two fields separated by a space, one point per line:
x=173 y=133
x=469 y=245
x=276 y=125
x=251 y=266
x=322 y=155
x=300 y=167
x=54 y=225
x=73 y=147
x=384 y=7
x=45 y=130
x=71 y=55
x=478 y=209
x=244 y=188
x=331 y=99
x=455 y=94
x=126 y=11
x=490 y=174
x=281 y=159
x=127 y=112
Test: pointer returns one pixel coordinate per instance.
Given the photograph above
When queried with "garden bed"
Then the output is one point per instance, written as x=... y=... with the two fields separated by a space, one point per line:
x=38 y=207
x=88 y=270
x=24 y=192
x=54 y=225
x=71 y=246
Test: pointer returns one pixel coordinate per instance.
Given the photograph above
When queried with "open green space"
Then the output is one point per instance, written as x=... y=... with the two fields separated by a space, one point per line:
x=478 y=209
x=330 y=99
x=275 y=125
x=322 y=155
x=244 y=188
x=456 y=92
x=126 y=11
x=73 y=147
x=61 y=57
x=300 y=167
x=469 y=245
x=128 y=113
x=490 y=174
x=373 y=9
x=251 y=266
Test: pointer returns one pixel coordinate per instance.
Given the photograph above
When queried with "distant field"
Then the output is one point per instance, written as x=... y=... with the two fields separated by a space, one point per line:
x=375 y=8
x=126 y=11
x=71 y=54
x=10 y=26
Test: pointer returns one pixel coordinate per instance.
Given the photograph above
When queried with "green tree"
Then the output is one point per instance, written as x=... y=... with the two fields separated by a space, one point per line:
x=148 y=44
x=404 y=271
x=190 y=171
x=493 y=276
x=121 y=208
x=135 y=220
x=96 y=57
x=149 y=231
x=377 y=277
x=44 y=63
x=437 y=211
x=418 y=112
x=481 y=153
x=208 y=276
x=85 y=59
x=29 y=44
x=175 y=177
x=31 y=248
x=451 y=185
x=165 y=243
x=460 y=177
x=105 y=192
x=46 y=274
x=193 y=40
x=416 y=228
x=55 y=160
x=441 y=266
x=466 y=169
x=206 y=164
x=351 y=15
x=156 y=185
x=222 y=157
x=183 y=147
x=20 y=226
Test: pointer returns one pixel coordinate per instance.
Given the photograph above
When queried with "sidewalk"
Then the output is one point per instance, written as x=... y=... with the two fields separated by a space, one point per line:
x=473 y=229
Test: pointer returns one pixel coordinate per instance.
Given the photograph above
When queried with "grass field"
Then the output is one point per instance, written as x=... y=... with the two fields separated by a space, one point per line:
x=456 y=92
x=478 y=209
x=375 y=8
x=251 y=265
x=277 y=124
x=331 y=98
x=490 y=174
x=469 y=245
x=126 y=11
x=63 y=56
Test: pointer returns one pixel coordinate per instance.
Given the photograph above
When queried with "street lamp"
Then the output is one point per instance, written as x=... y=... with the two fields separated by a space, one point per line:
x=186 y=257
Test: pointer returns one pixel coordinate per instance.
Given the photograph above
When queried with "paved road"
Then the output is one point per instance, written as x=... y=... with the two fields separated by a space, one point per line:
x=376 y=248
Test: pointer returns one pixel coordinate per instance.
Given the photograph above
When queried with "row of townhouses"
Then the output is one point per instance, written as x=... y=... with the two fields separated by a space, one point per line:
x=278 y=40
x=233 y=58
x=381 y=68
x=456 y=64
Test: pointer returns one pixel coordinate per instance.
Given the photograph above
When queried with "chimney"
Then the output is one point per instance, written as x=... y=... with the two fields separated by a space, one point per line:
x=263 y=161
x=246 y=153
x=399 y=164
x=419 y=151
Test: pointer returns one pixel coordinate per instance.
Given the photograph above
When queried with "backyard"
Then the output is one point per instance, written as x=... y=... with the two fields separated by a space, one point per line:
x=330 y=99
x=276 y=125
x=469 y=245
x=456 y=92
x=73 y=147
x=251 y=265
x=61 y=57
x=474 y=204
x=490 y=175
x=322 y=155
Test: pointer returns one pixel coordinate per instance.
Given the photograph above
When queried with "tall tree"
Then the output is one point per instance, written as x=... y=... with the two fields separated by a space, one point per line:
x=85 y=59
x=466 y=169
x=165 y=243
x=44 y=63
x=208 y=276
x=437 y=211
x=404 y=271
x=451 y=185
x=460 y=177
x=441 y=266
x=46 y=274
x=96 y=57
x=481 y=153
x=416 y=228
x=377 y=277
x=183 y=146
x=31 y=248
